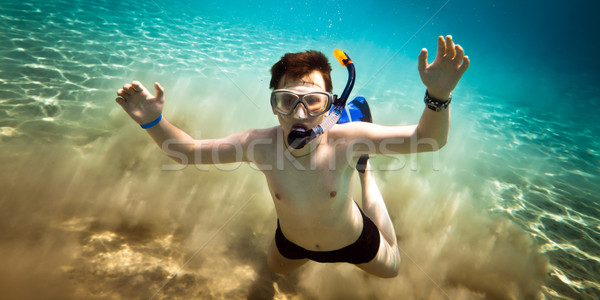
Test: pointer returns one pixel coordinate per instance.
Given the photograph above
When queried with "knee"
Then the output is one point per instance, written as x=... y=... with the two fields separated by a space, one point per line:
x=389 y=274
x=394 y=266
x=391 y=271
x=387 y=268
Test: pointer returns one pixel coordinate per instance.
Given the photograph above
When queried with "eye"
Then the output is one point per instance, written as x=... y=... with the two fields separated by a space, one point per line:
x=286 y=100
x=316 y=100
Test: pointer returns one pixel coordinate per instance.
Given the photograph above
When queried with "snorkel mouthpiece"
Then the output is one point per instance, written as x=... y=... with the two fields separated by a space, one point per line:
x=299 y=136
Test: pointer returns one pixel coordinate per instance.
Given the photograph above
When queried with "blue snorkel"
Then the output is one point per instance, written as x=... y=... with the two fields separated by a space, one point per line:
x=299 y=138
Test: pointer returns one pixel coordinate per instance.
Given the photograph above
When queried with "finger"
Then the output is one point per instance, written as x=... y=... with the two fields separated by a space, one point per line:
x=160 y=91
x=422 y=60
x=127 y=89
x=441 y=51
x=465 y=65
x=449 y=47
x=137 y=86
x=121 y=93
x=121 y=101
x=460 y=54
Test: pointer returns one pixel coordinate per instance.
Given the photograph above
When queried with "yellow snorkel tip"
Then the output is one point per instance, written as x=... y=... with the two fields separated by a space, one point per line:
x=342 y=57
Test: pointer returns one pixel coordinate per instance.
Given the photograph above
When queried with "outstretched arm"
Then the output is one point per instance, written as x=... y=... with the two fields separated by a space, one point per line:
x=440 y=77
x=143 y=108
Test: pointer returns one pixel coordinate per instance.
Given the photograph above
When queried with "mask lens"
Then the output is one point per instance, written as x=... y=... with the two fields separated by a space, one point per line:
x=284 y=101
x=316 y=102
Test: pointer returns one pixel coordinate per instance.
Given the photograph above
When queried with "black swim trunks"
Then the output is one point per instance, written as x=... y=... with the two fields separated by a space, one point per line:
x=361 y=251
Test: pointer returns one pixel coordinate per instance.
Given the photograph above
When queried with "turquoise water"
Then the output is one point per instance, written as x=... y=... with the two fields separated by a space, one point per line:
x=90 y=208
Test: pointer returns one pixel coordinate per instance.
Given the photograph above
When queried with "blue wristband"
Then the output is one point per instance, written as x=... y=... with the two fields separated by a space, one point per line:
x=148 y=125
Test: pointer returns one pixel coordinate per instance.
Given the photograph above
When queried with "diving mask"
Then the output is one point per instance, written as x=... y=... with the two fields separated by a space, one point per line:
x=316 y=103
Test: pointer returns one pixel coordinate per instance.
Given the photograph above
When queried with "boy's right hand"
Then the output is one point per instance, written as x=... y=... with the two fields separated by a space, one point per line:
x=139 y=103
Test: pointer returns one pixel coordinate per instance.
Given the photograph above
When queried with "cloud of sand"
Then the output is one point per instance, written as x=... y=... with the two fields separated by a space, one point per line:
x=101 y=219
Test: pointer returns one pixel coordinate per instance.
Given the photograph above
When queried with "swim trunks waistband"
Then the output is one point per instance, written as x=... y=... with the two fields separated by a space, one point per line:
x=361 y=251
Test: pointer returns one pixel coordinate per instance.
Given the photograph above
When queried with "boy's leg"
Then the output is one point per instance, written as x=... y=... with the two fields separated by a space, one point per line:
x=374 y=206
x=387 y=261
x=280 y=264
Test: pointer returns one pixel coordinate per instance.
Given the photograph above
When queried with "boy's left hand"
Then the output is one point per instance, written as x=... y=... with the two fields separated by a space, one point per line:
x=443 y=74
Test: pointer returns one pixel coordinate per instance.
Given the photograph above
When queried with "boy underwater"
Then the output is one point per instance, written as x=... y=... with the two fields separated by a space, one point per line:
x=310 y=183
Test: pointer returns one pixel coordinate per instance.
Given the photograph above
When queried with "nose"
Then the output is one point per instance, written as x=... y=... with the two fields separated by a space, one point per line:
x=300 y=112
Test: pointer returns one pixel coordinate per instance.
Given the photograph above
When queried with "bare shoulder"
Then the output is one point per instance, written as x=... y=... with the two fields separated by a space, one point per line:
x=351 y=129
x=258 y=137
x=362 y=130
x=259 y=144
x=251 y=134
x=263 y=133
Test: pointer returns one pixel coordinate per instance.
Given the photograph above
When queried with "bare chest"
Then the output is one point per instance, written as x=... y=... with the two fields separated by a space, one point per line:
x=309 y=187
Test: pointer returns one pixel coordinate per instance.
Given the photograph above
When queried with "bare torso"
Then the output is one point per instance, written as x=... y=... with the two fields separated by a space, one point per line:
x=311 y=192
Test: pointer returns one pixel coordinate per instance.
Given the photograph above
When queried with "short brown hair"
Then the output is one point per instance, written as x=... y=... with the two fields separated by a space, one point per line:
x=296 y=65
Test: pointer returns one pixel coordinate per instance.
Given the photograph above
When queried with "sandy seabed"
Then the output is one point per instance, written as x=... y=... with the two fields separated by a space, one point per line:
x=104 y=221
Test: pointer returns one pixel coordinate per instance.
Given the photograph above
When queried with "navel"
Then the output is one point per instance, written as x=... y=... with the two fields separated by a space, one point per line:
x=277 y=196
x=332 y=194
x=317 y=246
